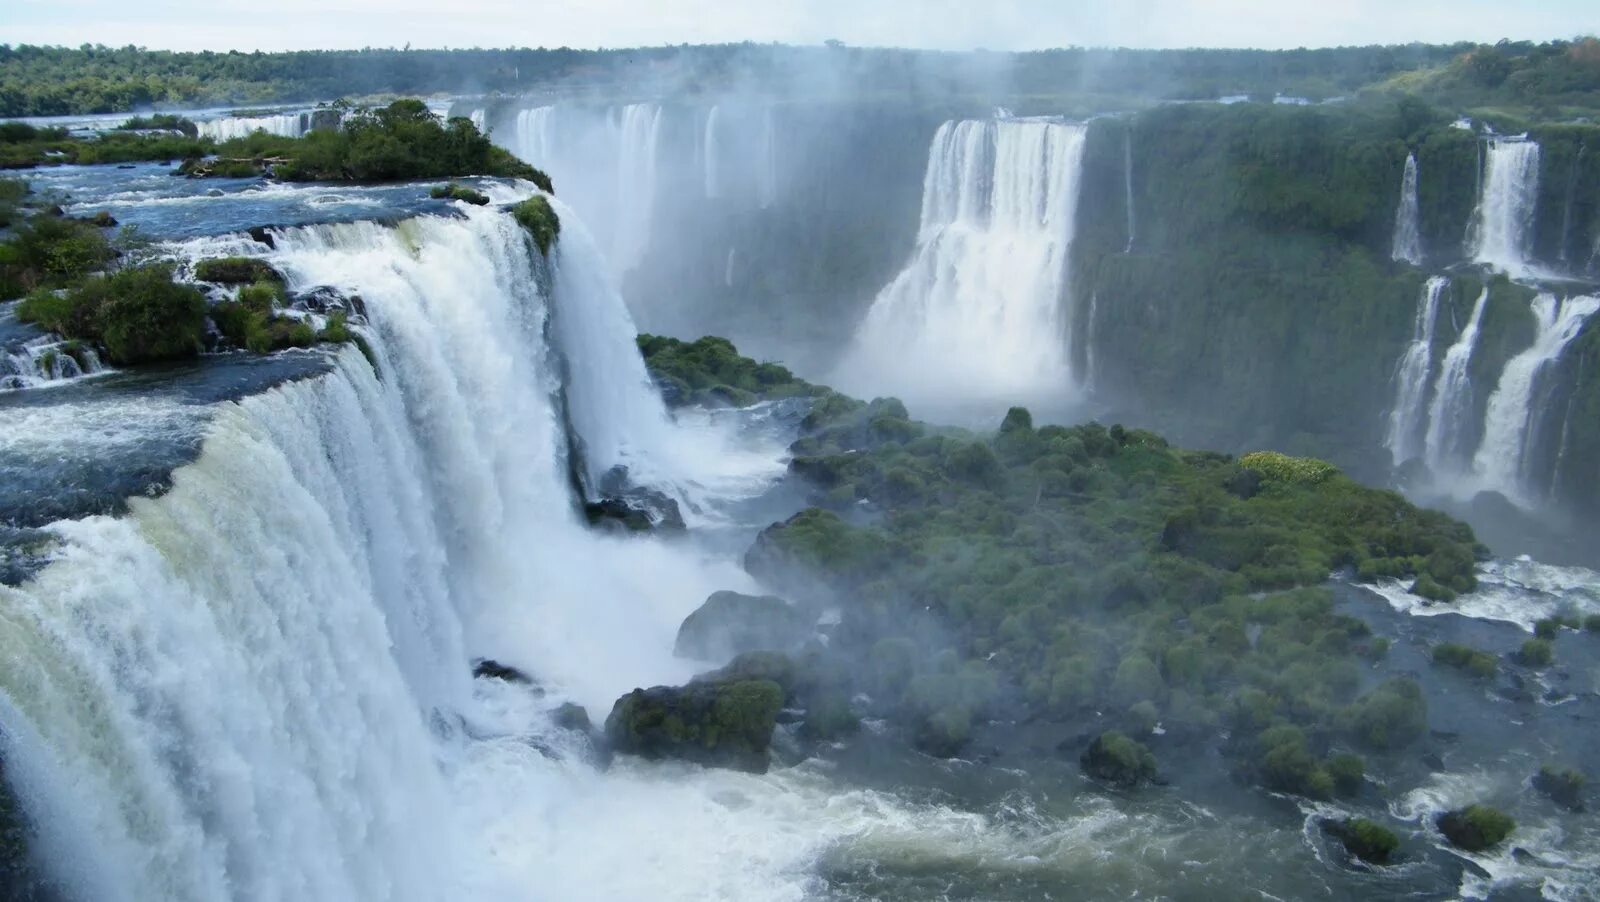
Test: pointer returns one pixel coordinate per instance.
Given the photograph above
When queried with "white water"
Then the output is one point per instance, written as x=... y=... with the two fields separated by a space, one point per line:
x=46 y=361
x=1511 y=418
x=1408 y=417
x=1452 y=396
x=288 y=125
x=1407 y=224
x=636 y=183
x=977 y=314
x=1521 y=592
x=1503 y=223
x=1127 y=186
x=712 y=153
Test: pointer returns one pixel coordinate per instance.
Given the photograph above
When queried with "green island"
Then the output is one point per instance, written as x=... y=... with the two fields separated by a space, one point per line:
x=1056 y=572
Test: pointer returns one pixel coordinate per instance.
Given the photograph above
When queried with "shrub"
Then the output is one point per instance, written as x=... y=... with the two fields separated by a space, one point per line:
x=1475 y=828
x=1116 y=759
x=146 y=316
x=1348 y=771
x=236 y=271
x=1391 y=716
x=1478 y=663
x=1564 y=786
x=1364 y=839
x=458 y=191
x=1283 y=468
x=1536 y=653
x=540 y=220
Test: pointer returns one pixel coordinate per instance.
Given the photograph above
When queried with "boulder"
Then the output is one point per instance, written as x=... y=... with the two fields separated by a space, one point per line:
x=236 y=271
x=1118 y=760
x=1475 y=828
x=729 y=624
x=1562 y=786
x=1363 y=839
x=716 y=724
x=485 y=668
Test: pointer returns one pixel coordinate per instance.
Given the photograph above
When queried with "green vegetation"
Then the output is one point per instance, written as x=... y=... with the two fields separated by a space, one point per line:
x=1095 y=569
x=1465 y=658
x=23 y=146
x=1564 y=786
x=47 y=252
x=161 y=122
x=138 y=315
x=711 y=372
x=403 y=140
x=236 y=271
x=458 y=191
x=1475 y=828
x=1118 y=760
x=1364 y=839
x=537 y=216
x=1536 y=653
x=719 y=724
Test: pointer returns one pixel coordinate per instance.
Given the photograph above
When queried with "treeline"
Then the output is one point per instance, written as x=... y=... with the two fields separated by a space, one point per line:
x=40 y=81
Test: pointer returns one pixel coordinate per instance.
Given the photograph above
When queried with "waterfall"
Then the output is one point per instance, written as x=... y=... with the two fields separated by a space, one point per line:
x=767 y=162
x=535 y=142
x=1407 y=226
x=46 y=360
x=976 y=314
x=640 y=132
x=713 y=154
x=1127 y=185
x=1503 y=223
x=1407 y=418
x=1512 y=417
x=287 y=125
x=255 y=685
x=1452 y=396
x=480 y=119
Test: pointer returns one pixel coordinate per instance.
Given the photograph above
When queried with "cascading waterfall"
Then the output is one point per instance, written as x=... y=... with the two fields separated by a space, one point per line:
x=640 y=133
x=244 y=688
x=1408 y=417
x=1452 y=396
x=1127 y=186
x=1407 y=221
x=1512 y=417
x=534 y=139
x=46 y=360
x=712 y=153
x=287 y=125
x=1503 y=223
x=976 y=315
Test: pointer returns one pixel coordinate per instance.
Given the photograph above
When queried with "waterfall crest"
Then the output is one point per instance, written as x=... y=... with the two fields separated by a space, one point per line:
x=1407 y=220
x=1502 y=233
x=977 y=313
x=1408 y=416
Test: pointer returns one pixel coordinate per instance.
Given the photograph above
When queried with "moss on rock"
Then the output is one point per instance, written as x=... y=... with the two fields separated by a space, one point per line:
x=717 y=724
x=1476 y=828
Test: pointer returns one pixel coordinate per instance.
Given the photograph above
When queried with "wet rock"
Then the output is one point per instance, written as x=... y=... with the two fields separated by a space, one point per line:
x=572 y=717
x=716 y=724
x=1563 y=786
x=630 y=507
x=1363 y=839
x=487 y=669
x=729 y=623
x=262 y=235
x=1475 y=828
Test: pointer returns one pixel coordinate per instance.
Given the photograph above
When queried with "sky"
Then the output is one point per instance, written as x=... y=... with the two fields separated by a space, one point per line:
x=935 y=24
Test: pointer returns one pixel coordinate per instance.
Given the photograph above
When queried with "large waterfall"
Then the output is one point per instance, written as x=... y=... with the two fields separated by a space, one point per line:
x=1452 y=396
x=1407 y=245
x=639 y=136
x=1408 y=417
x=977 y=314
x=1502 y=226
x=1512 y=417
x=256 y=685
x=287 y=125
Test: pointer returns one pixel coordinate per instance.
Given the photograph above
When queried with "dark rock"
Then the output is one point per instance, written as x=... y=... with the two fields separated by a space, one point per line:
x=729 y=623
x=488 y=669
x=1562 y=786
x=1475 y=828
x=1433 y=761
x=262 y=235
x=572 y=717
x=635 y=508
x=616 y=513
x=717 y=724
x=236 y=271
x=1118 y=760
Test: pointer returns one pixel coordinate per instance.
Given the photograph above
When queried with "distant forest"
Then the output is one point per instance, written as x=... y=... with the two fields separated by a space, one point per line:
x=1548 y=80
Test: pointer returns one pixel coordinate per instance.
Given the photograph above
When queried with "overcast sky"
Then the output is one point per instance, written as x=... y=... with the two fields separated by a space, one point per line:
x=944 y=24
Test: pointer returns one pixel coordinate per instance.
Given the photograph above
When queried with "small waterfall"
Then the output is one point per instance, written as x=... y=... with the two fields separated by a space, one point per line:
x=535 y=142
x=976 y=315
x=640 y=133
x=45 y=361
x=1512 y=417
x=767 y=162
x=1408 y=417
x=480 y=119
x=712 y=152
x=1407 y=226
x=1452 y=396
x=1127 y=185
x=1566 y=210
x=1503 y=224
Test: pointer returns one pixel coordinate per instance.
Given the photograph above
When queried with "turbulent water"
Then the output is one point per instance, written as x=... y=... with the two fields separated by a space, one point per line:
x=1407 y=245
x=1409 y=416
x=977 y=315
x=1512 y=416
x=1502 y=226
